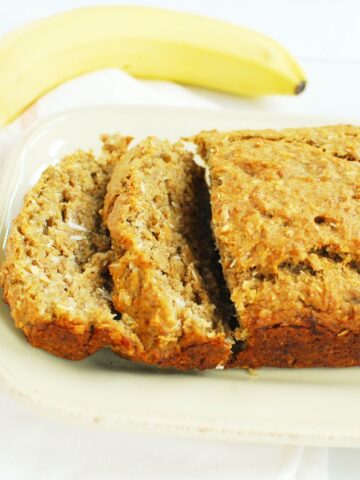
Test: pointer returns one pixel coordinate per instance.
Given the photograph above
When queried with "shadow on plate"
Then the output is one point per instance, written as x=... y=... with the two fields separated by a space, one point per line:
x=107 y=360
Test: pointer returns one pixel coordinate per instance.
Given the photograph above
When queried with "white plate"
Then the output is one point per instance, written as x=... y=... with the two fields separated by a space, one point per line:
x=318 y=406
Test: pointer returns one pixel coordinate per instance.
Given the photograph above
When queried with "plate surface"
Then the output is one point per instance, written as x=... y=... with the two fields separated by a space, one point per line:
x=317 y=406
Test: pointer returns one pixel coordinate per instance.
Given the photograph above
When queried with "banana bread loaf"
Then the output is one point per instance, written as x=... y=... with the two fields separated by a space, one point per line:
x=286 y=218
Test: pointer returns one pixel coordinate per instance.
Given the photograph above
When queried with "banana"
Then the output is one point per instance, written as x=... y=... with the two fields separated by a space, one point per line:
x=147 y=43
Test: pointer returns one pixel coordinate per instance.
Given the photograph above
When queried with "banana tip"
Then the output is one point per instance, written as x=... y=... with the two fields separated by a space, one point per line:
x=300 y=87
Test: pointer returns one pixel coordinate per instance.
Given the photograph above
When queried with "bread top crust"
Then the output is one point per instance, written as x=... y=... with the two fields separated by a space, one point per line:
x=153 y=212
x=286 y=218
x=342 y=141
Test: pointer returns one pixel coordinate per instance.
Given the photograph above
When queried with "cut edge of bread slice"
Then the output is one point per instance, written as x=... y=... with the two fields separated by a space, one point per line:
x=55 y=275
x=163 y=268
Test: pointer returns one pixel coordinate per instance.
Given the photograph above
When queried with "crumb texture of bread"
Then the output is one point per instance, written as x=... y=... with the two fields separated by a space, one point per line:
x=55 y=276
x=164 y=283
x=286 y=219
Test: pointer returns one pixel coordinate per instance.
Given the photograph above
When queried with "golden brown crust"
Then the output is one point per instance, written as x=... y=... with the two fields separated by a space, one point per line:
x=201 y=355
x=340 y=140
x=299 y=347
x=286 y=218
x=62 y=340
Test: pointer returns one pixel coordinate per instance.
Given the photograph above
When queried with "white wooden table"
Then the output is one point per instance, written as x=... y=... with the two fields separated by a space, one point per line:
x=324 y=35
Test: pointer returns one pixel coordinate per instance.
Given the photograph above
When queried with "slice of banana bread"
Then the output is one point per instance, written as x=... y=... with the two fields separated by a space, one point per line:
x=55 y=276
x=286 y=218
x=163 y=266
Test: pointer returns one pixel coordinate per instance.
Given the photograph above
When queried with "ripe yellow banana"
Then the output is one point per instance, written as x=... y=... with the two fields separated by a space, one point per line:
x=147 y=43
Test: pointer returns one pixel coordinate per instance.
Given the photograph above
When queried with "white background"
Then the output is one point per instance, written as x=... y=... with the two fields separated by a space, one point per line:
x=324 y=35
